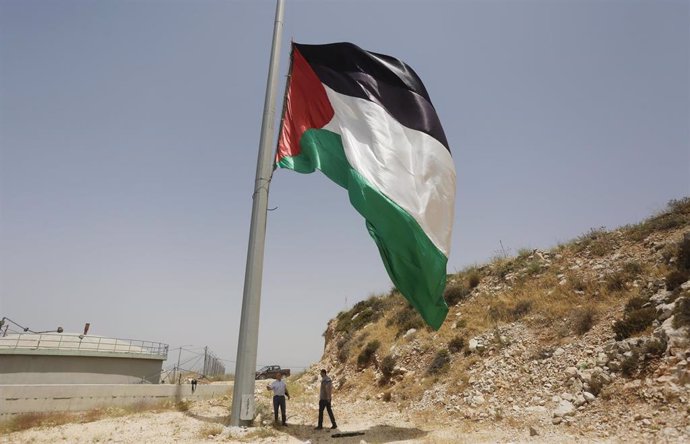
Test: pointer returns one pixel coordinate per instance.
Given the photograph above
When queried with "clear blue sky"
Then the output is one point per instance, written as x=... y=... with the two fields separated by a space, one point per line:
x=129 y=132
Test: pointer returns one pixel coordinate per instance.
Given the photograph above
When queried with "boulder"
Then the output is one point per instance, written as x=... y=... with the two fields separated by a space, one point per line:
x=564 y=408
x=409 y=333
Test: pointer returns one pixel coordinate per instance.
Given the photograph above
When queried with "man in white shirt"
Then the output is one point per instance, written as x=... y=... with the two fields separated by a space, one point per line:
x=280 y=391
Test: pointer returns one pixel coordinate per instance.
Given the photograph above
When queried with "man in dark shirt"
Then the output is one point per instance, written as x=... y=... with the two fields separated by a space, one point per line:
x=325 y=395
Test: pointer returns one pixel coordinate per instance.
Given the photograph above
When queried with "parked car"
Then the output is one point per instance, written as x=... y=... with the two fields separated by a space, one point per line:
x=271 y=372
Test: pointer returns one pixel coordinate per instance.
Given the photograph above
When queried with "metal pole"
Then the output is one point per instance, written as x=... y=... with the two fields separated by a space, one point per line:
x=243 y=390
x=205 y=359
x=177 y=368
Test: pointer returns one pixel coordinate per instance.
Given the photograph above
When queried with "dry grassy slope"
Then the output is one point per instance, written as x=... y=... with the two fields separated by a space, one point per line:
x=530 y=338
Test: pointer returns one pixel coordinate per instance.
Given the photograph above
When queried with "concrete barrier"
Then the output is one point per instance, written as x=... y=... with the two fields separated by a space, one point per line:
x=18 y=398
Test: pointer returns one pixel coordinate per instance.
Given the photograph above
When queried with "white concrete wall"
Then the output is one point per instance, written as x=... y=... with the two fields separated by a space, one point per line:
x=78 y=369
x=78 y=397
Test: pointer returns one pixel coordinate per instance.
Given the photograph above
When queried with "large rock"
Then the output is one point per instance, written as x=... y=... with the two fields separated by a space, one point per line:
x=665 y=311
x=475 y=345
x=661 y=297
x=580 y=400
x=571 y=372
x=565 y=408
x=409 y=333
x=676 y=338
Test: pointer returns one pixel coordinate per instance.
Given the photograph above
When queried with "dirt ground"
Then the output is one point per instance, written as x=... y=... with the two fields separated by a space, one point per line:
x=205 y=421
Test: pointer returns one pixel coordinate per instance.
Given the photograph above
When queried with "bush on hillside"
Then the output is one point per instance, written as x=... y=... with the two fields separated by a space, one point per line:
x=343 y=346
x=440 y=362
x=681 y=314
x=630 y=364
x=677 y=214
x=456 y=344
x=655 y=348
x=520 y=309
x=684 y=253
x=676 y=278
x=616 y=281
x=635 y=303
x=405 y=319
x=583 y=320
x=387 y=368
x=633 y=322
x=455 y=294
x=361 y=314
x=632 y=269
x=367 y=354
x=473 y=278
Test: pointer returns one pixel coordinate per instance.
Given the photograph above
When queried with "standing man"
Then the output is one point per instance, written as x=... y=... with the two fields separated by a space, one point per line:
x=280 y=391
x=325 y=400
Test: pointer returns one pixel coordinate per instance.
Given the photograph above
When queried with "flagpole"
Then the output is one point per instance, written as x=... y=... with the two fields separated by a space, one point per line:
x=243 y=391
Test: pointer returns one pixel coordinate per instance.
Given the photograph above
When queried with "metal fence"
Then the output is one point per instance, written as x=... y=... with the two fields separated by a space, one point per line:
x=64 y=342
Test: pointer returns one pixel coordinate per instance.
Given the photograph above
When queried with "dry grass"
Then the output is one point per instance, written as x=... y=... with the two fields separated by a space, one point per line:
x=210 y=431
x=27 y=421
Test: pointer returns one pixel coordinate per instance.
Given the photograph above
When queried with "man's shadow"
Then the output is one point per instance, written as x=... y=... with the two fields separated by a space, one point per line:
x=377 y=433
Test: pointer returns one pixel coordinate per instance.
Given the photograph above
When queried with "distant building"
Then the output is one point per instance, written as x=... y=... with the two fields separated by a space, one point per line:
x=65 y=358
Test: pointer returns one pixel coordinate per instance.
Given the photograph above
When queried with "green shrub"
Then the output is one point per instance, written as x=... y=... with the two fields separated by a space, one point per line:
x=634 y=322
x=387 y=367
x=405 y=319
x=440 y=362
x=655 y=347
x=616 y=281
x=577 y=284
x=524 y=253
x=583 y=320
x=677 y=214
x=367 y=354
x=363 y=312
x=632 y=269
x=595 y=239
x=635 y=303
x=681 y=313
x=520 y=309
x=343 y=346
x=456 y=344
x=473 y=278
x=498 y=311
x=630 y=364
x=387 y=396
x=534 y=267
x=455 y=294
x=684 y=253
x=676 y=278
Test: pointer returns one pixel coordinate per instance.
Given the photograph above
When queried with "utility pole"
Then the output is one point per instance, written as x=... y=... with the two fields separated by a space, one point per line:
x=243 y=390
x=177 y=367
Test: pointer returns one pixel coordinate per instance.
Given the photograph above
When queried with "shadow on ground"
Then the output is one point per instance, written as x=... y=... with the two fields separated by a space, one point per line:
x=378 y=433
x=218 y=419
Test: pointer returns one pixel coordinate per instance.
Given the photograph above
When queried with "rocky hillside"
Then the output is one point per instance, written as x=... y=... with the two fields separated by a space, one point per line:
x=592 y=335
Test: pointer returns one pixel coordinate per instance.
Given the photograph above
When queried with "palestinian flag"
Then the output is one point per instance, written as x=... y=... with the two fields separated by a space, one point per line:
x=366 y=121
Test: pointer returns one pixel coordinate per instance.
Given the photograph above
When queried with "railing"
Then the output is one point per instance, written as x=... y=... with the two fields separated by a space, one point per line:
x=67 y=342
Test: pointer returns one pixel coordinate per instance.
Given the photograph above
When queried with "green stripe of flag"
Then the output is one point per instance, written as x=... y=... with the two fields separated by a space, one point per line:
x=416 y=266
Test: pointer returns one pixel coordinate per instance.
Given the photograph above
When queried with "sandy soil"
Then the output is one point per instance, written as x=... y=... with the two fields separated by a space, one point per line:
x=204 y=422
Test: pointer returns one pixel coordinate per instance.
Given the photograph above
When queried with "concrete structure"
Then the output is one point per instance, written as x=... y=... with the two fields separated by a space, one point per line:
x=16 y=399
x=78 y=359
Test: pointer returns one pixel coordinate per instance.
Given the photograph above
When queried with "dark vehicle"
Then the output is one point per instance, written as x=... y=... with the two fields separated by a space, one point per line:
x=271 y=371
